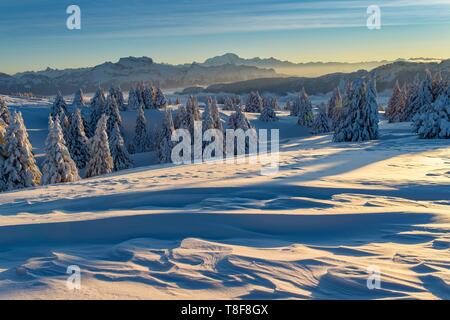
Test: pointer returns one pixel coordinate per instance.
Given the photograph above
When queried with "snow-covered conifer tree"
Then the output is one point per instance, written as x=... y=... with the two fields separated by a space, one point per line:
x=77 y=142
x=116 y=92
x=424 y=101
x=229 y=104
x=334 y=106
x=133 y=99
x=98 y=102
x=182 y=118
x=396 y=104
x=119 y=153
x=303 y=108
x=58 y=166
x=193 y=112
x=254 y=103
x=148 y=97
x=238 y=120
x=100 y=161
x=371 y=109
x=207 y=120
x=4 y=112
x=78 y=99
x=19 y=167
x=59 y=105
x=268 y=112
x=159 y=99
x=111 y=109
x=141 y=141
x=351 y=125
x=165 y=139
x=435 y=120
x=321 y=124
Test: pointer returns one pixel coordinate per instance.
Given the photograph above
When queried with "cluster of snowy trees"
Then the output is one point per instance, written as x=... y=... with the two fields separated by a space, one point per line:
x=147 y=97
x=426 y=103
x=357 y=118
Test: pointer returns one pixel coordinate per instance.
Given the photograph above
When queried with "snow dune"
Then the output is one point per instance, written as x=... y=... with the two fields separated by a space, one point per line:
x=225 y=231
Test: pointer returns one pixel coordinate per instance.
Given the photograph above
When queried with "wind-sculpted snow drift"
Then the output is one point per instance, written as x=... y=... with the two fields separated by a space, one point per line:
x=226 y=231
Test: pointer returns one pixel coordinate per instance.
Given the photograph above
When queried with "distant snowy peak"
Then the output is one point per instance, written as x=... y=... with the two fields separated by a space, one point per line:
x=232 y=58
x=126 y=73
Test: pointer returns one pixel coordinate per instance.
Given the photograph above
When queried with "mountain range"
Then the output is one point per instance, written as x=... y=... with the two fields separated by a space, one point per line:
x=225 y=73
x=127 y=72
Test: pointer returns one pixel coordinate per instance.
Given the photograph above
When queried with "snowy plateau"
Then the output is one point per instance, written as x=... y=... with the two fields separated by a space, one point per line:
x=333 y=212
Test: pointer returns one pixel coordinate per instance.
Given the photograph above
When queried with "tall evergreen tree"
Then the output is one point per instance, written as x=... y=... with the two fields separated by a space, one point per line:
x=371 y=109
x=19 y=167
x=159 y=99
x=119 y=153
x=357 y=115
x=396 y=104
x=116 y=92
x=4 y=112
x=321 y=124
x=78 y=99
x=112 y=112
x=229 y=104
x=254 y=103
x=424 y=101
x=141 y=142
x=77 y=142
x=58 y=165
x=98 y=102
x=100 y=161
x=59 y=106
x=268 y=112
x=165 y=139
x=193 y=112
x=334 y=106
x=133 y=99
x=303 y=108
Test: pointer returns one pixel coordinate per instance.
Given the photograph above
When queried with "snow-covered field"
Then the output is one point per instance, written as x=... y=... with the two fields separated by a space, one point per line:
x=225 y=231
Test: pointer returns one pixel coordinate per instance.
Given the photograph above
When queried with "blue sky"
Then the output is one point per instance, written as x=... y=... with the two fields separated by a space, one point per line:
x=34 y=34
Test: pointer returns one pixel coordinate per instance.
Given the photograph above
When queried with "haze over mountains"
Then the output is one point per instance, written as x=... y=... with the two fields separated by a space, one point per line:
x=225 y=73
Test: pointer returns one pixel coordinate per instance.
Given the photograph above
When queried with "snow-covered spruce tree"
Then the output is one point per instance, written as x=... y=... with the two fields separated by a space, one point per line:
x=19 y=167
x=442 y=106
x=78 y=99
x=112 y=111
x=59 y=105
x=181 y=118
x=133 y=99
x=238 y=120
x=268 y=112
x=64 y=122
x=207 y=120
x=165 y=144
x=119 y=153
x=98 y=102
x=100 y=161
x=215 y=115
x=321 y=124
x=77 y=142
x=438 y=85
x=229 y=104
x=116 y=92
x=424 y=101
x=193 y=112
x=334 y=106
x=148 y=97
x=288 y=106
x=396 y=104
x=159 y=99
x=435 y=120
x=304 y=110
x=254 y=103
x=58 y=166
x=141 y=141
x=4 y=112
x=371 y=108
x=352 y=125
